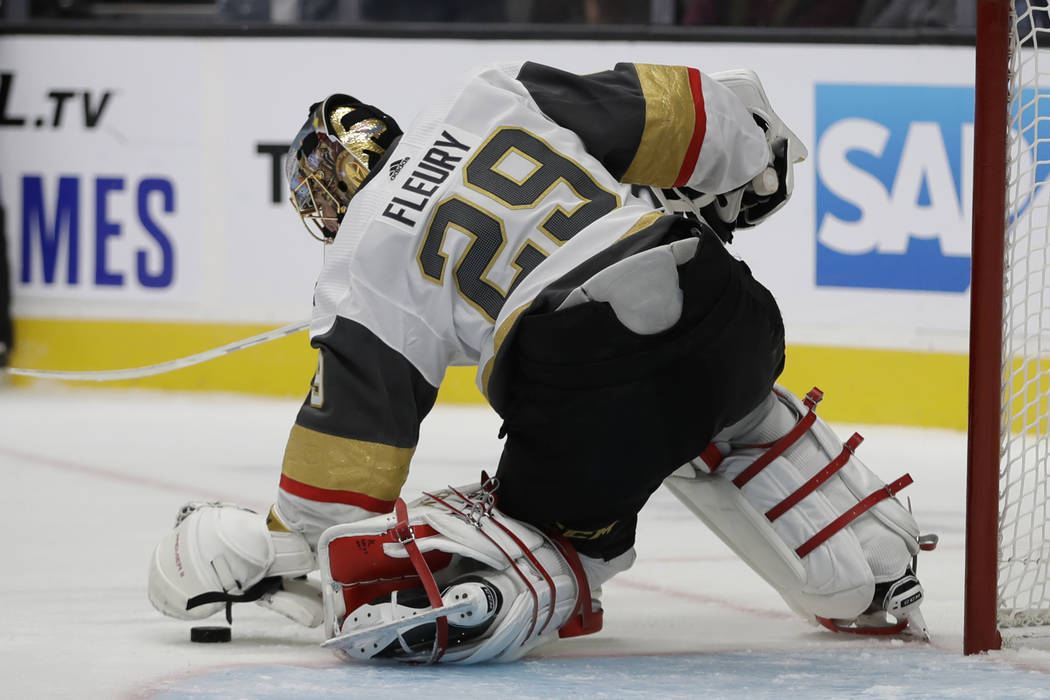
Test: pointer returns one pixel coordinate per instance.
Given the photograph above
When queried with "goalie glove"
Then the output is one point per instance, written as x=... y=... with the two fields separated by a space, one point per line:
x=219 y=554
x=768 y=191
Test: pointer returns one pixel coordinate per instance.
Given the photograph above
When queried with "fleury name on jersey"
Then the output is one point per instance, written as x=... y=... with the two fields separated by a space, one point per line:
x=424 y=180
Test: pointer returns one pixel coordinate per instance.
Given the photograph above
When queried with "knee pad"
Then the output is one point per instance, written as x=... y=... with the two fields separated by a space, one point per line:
x=795 y=502
x=219 y=553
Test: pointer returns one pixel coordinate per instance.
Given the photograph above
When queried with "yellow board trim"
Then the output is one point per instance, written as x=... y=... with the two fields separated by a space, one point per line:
x=283 y=367
x=862 y=385
x=670 y=118
x=342 y=464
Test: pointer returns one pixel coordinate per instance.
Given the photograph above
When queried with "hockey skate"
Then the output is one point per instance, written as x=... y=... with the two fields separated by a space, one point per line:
x=894 y=611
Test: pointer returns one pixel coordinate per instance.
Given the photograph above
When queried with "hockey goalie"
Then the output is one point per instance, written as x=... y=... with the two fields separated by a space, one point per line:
x=567 y=235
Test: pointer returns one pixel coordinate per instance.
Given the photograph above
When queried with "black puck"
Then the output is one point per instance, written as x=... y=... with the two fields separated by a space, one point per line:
x=209 y=635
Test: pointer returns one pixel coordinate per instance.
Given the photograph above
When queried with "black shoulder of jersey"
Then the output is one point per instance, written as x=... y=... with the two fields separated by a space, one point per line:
x=606 y=109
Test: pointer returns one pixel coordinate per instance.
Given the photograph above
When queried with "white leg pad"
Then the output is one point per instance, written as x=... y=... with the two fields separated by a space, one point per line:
x=837 y=578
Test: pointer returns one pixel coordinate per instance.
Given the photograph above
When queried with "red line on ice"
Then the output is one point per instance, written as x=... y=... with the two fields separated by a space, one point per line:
x=701 y=598
x=101 y=473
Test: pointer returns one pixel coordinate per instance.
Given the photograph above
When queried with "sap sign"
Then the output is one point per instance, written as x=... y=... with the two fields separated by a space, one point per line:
x=894 y=173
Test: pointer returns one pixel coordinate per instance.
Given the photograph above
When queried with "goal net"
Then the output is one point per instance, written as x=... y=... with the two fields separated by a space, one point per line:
x=1008 y=521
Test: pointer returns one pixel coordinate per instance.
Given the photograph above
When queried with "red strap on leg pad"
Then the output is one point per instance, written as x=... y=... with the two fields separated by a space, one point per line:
x=852 y=514
x=404 y=534
x=585 y=618
x=775 y=500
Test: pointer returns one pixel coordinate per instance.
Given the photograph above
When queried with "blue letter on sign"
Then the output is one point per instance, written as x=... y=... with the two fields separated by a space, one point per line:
x=34 y=220
x=105 y=229
x=167 y=268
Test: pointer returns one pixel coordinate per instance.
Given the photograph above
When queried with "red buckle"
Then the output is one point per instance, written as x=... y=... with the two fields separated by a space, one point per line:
x=402 y=533
x=813 y=397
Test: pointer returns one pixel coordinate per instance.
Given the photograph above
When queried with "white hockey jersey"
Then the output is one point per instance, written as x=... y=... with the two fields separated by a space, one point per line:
x=516 y=177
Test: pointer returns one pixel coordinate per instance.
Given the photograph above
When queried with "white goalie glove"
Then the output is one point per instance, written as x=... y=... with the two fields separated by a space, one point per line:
x=449 y=578
x=219 y=554
x=797 y=505
x=768 y=191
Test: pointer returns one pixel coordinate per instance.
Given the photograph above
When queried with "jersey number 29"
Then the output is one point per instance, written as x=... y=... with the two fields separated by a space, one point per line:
x=486 y=230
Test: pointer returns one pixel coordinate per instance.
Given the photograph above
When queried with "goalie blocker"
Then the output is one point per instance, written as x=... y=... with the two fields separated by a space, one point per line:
x=795 y=503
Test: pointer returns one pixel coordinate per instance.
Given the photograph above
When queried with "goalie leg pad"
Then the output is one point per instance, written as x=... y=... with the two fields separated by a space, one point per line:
x=219 y=553
x=798 y=506
x=449 y=578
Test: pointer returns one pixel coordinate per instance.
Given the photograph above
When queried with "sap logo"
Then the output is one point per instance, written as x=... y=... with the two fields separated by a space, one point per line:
x=894 y=173
x=54 y=231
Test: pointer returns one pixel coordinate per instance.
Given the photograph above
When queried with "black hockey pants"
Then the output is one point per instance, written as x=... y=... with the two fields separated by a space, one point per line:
x=598 y=416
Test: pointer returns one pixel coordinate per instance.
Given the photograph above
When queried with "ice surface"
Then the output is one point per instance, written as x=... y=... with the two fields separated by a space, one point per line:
x=93 y=478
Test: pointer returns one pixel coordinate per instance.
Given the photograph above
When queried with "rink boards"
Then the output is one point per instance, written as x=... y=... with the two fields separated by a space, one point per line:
x=146 y=215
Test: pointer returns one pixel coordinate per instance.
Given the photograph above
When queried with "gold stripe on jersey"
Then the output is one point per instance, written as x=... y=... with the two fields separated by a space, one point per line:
x=342 y=464
x=274 y=522
x=644 y=222
x=670 y=118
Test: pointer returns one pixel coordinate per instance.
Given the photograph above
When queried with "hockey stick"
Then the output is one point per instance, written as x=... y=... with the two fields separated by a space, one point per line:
x=111 y=375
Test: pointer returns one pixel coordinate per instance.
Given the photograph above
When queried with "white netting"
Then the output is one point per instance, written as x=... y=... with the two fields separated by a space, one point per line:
x=1024 y=499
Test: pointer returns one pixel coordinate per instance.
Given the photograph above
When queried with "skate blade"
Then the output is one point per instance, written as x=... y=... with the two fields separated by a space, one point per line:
x=917 y=626
x=380 y=635
x=910 y=628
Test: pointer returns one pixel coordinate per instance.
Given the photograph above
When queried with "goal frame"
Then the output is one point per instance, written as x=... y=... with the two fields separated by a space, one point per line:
x=986 y=386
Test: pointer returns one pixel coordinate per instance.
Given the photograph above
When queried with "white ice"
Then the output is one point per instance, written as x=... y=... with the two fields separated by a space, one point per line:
x=93 y=478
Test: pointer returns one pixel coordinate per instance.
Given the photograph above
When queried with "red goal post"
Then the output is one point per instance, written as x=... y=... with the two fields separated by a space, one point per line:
x=1008 y=487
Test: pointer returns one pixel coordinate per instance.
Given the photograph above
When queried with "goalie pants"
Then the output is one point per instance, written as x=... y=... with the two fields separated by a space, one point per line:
x=599 y=415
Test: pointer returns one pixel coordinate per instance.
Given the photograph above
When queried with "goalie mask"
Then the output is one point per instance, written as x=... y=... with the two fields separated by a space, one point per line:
x=330 y=158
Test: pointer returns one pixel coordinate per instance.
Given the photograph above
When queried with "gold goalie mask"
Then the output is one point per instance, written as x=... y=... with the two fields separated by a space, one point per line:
x=330 y=158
